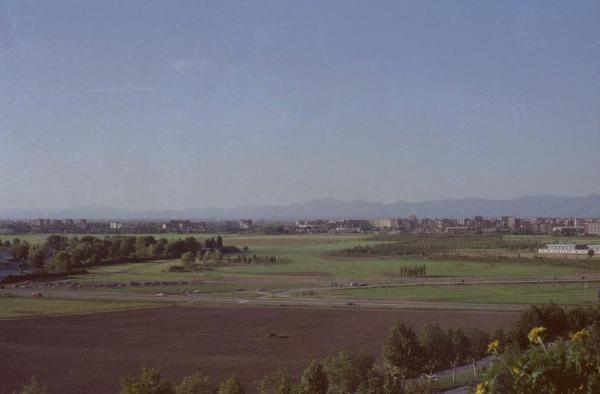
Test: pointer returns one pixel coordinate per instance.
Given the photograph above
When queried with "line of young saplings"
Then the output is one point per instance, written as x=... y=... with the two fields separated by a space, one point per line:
x=203 y=258
x=65 y=254
x=415 y=271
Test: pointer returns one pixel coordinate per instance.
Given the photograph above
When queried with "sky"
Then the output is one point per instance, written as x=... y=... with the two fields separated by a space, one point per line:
x=187 y=104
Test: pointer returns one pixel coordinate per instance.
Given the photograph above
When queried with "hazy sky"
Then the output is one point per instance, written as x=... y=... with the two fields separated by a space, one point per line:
x=181 y=104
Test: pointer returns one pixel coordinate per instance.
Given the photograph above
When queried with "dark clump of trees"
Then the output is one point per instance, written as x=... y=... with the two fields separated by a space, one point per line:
x=416 y=271
x=67 y=254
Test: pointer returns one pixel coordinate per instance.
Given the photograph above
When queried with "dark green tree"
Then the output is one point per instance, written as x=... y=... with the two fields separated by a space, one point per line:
x=62 y=262
x=437 y=347
x=551 y=316
x=348 y=371
x=37 y=257
x=460 y=349
x=314 y=379
x=402 y=352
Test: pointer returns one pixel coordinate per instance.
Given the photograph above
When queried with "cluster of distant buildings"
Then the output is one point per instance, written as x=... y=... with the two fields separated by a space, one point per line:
x=84 y=226
x=477 y=224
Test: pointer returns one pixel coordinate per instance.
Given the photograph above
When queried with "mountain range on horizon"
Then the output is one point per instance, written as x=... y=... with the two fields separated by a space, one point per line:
x=526 y=206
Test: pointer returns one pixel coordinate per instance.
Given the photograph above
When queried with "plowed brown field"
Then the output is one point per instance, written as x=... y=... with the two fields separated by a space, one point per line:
x=91 y=353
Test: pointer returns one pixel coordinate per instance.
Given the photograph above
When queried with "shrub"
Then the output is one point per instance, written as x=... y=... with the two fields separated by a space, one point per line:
x=231 y=386
x=314 y=379
x=149 y=382
x=34 y=387
x=195 y=384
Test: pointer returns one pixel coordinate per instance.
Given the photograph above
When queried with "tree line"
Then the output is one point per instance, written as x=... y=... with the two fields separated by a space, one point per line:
x=191 y=261
x=65 y=254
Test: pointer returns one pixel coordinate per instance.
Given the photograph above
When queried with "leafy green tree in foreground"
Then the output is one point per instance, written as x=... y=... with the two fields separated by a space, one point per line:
x=149 y=382
x=437 y=347
x=402 y=352
x=314 y=379
x=231 y=386
x=348 y=371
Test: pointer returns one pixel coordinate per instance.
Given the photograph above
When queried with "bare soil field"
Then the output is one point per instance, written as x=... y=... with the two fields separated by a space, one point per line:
x=91 y=353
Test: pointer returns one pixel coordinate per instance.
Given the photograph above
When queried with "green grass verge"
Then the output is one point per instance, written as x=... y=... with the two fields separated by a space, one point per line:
x=565 y=294
x=16 y=307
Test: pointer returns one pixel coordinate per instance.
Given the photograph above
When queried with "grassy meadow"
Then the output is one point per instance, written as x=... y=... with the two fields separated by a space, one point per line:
x=560 y=293
x=311 y=262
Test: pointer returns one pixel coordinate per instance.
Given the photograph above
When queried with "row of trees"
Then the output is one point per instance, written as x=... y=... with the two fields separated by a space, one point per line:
x=196 y=261
x=416 y=271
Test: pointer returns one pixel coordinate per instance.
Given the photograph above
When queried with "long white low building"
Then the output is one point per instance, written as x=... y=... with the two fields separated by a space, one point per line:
x=569 y=249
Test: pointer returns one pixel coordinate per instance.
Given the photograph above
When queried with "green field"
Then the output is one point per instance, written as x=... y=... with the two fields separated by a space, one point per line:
x=565 y=294
x=15 y=307
x=312 y=262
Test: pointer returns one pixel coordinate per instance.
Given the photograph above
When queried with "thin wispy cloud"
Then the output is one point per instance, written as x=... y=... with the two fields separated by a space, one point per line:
x=125 y=89
x=182 y=65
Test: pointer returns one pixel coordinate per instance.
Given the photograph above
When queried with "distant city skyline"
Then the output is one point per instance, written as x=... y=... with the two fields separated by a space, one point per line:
x=177 y=105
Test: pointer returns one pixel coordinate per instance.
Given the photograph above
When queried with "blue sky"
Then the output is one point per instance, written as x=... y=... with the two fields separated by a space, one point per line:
x=181 y=104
